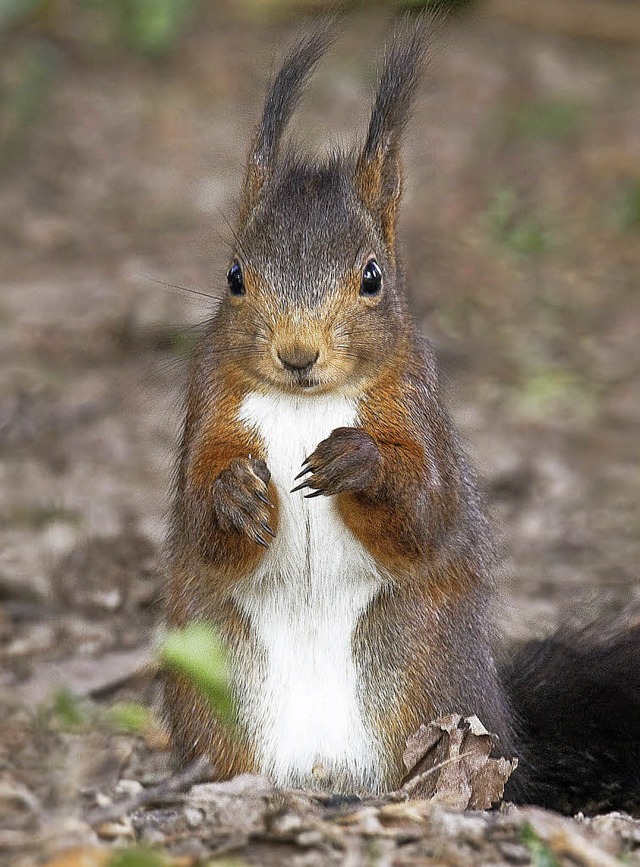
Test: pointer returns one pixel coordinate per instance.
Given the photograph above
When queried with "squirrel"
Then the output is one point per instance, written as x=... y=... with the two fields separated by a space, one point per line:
x=325 y=518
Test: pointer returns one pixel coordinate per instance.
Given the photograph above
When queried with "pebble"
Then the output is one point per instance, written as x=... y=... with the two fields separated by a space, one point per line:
x=193 y=817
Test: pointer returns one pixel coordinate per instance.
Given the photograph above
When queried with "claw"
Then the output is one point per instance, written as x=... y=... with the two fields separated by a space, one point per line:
x=306 y=460
x=260 y=540
x=263 y=499
x=314 y=494
x=299 y=487
x=267 y=529
x=304 y=472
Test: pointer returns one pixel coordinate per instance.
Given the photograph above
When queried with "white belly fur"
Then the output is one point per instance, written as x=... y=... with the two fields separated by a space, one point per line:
x=304 y=709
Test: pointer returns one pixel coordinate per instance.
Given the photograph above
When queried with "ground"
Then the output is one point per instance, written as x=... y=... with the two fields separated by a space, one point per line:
x=521 y=236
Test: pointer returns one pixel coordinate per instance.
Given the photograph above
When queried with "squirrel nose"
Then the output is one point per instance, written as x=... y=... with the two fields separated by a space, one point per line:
x=298 y=359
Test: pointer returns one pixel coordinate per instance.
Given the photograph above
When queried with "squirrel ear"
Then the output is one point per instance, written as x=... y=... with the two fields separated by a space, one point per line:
x=282 y=98
x=378 y=175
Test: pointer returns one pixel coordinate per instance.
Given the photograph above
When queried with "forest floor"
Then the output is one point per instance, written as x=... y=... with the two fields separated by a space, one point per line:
x=521 y=230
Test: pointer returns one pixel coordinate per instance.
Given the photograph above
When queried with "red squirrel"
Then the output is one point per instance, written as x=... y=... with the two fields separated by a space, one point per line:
x=325 y=518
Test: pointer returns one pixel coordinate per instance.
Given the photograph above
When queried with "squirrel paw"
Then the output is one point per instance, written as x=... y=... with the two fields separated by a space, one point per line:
x=348 y=460
x=240 y=499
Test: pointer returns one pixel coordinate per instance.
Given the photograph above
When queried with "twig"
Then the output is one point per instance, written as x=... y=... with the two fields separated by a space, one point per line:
x=200 y=771
x=412 y=784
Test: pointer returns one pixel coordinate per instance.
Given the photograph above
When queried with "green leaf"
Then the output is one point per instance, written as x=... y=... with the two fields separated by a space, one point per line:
x=130 y=717
x=153 y=26
x=198 y=653
x=69 y=711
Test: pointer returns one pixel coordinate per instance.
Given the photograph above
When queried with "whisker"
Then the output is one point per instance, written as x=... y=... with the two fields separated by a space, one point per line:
x=223 y=240
x=234 y=234
x=265 y=323
x=235 y=350
x=188 y=289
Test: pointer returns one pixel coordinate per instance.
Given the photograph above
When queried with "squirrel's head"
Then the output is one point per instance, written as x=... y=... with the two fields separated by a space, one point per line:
x=315 y=297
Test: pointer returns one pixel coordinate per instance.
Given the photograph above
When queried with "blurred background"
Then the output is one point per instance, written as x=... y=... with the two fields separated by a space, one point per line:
x=123 y=130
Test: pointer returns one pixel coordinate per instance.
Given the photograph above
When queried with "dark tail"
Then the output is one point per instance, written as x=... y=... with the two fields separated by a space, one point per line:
x=576 y=701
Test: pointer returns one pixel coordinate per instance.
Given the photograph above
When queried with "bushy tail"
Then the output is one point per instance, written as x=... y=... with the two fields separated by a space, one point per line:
x=576 y=700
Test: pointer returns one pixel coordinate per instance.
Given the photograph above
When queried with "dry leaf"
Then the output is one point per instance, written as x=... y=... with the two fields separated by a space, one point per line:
x=449 y=761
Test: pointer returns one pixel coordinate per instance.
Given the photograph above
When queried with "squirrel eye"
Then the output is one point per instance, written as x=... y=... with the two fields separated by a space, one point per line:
x=371 y=278
x=235 y=279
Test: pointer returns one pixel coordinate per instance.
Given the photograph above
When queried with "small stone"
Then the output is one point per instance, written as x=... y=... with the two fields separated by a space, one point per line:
x=116 y=830
x=310 y=839
x=193 y=817
x=286 y=824
x=153 y=836
x=369 y=822
x=129 y=787
x=103 y=800
x=515 y=853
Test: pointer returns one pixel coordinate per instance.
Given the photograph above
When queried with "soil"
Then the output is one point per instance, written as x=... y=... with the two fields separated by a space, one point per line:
x=522 y=253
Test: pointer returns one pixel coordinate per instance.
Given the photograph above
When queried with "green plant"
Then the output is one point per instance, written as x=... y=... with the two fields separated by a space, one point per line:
x=31 y=31
x=151 y=27
x=68 y=711
x=541 y=854
x=129 y=717
x=198 y=653
x=138 y=857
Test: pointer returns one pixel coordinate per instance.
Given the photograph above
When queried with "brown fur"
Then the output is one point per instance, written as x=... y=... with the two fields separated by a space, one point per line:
x=306 y=322
x=402 y=487
x=189 y=713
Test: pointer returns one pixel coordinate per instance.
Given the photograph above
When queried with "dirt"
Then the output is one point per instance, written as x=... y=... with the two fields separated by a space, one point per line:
x=523 y=261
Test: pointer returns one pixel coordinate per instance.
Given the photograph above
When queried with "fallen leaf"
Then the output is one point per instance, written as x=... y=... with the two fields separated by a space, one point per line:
x=449 y=761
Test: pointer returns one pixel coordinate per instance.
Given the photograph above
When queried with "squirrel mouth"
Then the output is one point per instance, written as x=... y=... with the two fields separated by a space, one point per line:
x=304 y=381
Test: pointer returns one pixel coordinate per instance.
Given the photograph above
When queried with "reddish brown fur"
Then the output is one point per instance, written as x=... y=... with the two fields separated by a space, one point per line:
x=206 y=561
x=213 y=438
x=400 y=482
x=188 y=711
x=369 y=182
x=306 y=234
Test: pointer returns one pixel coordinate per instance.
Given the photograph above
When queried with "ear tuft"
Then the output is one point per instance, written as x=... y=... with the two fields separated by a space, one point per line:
x=280 y=103
x=378 y=170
